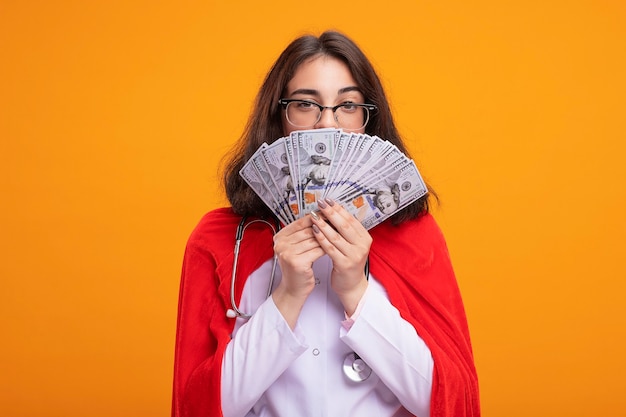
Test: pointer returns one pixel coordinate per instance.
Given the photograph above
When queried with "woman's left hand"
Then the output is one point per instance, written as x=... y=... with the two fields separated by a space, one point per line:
x=347 y=243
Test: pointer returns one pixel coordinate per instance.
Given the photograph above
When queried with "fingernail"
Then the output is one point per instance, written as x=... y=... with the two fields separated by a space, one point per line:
x=315 y=229
x=321 y=204
x=315 y=216
x=330 y=201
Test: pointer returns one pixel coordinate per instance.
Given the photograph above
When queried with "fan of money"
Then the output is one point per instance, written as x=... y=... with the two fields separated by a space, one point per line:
x=369 y=176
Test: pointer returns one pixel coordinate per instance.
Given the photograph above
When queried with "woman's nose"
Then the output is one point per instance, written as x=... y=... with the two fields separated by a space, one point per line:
x=327 y=119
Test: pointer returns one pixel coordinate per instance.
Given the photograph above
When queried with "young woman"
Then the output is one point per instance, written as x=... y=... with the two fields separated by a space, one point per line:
x=355 y=322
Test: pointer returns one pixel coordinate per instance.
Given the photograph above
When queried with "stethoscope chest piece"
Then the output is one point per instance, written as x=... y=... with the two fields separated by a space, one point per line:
x=355 y=368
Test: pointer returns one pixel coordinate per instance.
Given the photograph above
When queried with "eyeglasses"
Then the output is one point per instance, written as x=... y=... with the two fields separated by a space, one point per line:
x=305 y=113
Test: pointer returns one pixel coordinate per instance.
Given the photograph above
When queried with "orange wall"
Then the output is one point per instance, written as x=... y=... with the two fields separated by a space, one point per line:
x=113 y=116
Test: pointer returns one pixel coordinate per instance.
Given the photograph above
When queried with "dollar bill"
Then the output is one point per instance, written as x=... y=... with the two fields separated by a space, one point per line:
x=315 y=151
x=265 y=174
x=277 y=162
x=382 y=199
x=252 y=177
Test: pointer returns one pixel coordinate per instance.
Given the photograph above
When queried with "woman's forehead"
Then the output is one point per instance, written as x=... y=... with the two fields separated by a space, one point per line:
x=322 y=76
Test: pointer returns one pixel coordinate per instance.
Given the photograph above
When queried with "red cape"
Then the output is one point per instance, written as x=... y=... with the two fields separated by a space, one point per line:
x=416 y=272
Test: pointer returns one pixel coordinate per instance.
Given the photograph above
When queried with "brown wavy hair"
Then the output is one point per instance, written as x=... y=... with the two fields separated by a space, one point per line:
x=265 y=123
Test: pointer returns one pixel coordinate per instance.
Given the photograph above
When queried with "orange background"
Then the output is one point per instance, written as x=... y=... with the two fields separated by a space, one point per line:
x=113 y=118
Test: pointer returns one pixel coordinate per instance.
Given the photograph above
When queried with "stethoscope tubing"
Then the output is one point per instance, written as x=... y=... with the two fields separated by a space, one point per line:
x=234 y=311
x=353 y=366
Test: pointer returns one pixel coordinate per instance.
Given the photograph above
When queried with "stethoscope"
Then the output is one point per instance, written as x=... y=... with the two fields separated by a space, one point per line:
x=241 y=228
x=353 y=366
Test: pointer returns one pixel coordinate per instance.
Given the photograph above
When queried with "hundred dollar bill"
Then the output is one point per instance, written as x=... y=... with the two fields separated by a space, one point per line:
x=315 y=150
x=358 y=186
x=376 y=150
x=368 y=150
x=342 y=143
x=266 y=176
x=351 y=163
x=251 y=176
x=294 y=168
x=344 y=163
x=384 y=165
x=384 y=160
x=386 y=197
x=412 y=187
x=277 y=162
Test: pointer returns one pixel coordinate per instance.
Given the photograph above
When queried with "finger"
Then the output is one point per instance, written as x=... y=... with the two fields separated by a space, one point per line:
x=295 y=239
x=297 y=243
x=330 y=240
x=348 y=259
x=303 y=223
x=346 y=224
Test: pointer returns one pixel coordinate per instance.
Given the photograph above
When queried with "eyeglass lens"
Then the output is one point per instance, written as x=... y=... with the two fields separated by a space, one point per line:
x=349 y=116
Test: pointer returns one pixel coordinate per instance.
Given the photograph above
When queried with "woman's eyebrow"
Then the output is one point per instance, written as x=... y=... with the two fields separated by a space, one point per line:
x=348 y=89
x=306 y=91
x=311 y=92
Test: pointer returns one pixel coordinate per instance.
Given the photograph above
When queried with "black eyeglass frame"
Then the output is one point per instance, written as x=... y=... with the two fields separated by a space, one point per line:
x=369 y=107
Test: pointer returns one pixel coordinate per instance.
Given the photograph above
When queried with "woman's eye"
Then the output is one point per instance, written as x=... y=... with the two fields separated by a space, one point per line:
x=305 y=105
x=349 y=107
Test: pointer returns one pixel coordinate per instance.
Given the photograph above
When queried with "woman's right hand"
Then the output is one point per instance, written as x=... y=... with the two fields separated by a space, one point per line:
x=296 y=249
